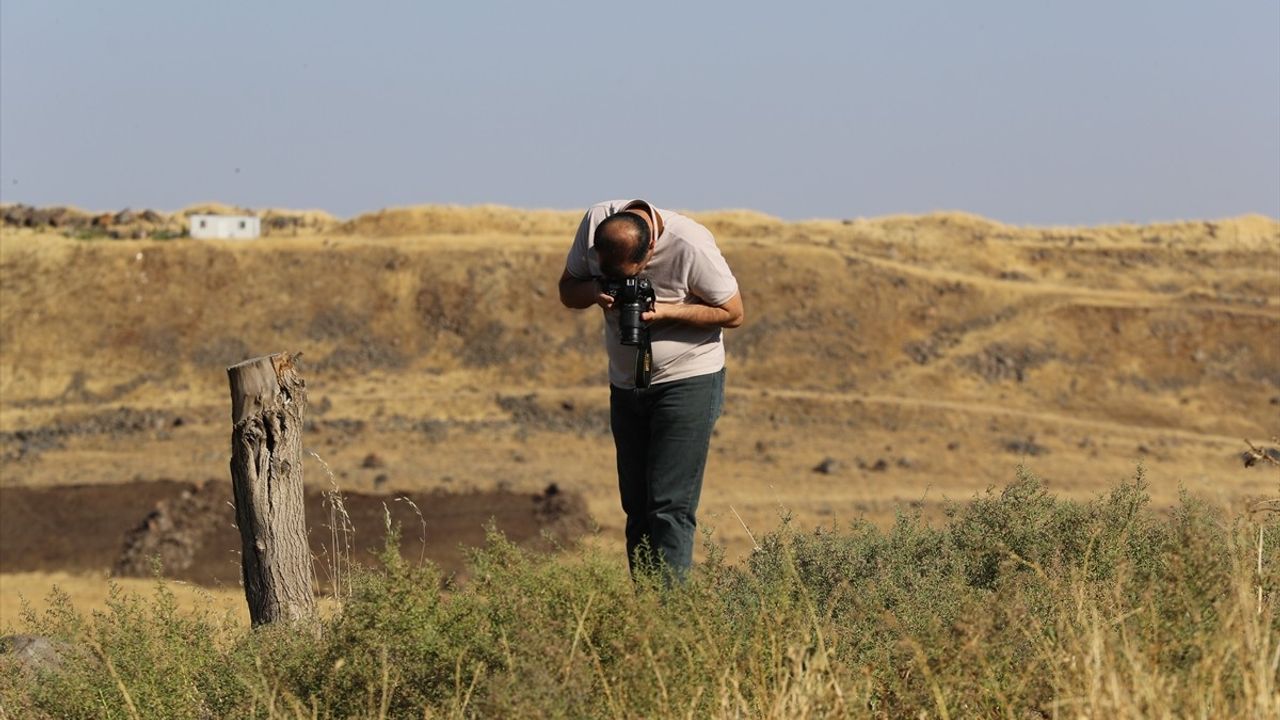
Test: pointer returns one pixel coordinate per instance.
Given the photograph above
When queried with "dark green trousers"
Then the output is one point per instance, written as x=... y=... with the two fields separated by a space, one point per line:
x=662 y=434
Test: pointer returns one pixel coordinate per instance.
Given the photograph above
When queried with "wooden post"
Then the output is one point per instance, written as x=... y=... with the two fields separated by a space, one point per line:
x=268 y=400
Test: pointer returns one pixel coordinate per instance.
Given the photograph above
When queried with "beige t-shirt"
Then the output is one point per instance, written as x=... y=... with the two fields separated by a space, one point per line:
x=686 y=267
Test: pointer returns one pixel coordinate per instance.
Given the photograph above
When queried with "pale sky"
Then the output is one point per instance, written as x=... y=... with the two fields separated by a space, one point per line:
x=1024 y=111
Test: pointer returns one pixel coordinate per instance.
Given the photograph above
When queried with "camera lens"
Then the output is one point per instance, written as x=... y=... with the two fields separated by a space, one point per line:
x=629 y=322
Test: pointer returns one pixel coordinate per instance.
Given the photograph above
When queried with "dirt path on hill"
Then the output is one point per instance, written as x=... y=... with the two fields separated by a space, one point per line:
x=968 y=407
x=1067 y=293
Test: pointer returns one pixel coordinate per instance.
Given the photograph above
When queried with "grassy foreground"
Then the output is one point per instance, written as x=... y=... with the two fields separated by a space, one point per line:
x=1019 y=605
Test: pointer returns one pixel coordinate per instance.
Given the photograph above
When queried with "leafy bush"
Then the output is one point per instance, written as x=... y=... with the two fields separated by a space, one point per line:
x=1018 y=605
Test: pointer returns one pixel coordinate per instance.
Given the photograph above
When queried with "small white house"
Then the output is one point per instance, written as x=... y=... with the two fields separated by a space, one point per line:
x=239 y=227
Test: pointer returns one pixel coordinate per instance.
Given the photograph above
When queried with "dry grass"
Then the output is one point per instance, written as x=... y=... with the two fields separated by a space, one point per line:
x=458 y=220
x=90 y=593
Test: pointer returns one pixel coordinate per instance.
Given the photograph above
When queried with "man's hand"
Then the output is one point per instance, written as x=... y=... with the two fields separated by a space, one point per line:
x=661 y=311
x=579 y=294
x=728 y=315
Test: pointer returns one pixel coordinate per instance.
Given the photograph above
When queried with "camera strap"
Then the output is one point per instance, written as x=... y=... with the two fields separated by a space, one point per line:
x=644 y=361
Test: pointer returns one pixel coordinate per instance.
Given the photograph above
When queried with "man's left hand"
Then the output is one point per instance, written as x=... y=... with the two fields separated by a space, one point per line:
x=660 y=311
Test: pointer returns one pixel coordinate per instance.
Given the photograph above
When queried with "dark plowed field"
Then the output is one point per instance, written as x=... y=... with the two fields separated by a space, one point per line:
x=189 y=529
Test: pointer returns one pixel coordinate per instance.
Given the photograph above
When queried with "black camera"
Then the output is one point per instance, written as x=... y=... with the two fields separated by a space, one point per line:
x=632 y=297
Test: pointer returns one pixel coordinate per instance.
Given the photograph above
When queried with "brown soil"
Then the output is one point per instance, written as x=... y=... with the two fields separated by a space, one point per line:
x=188 y=531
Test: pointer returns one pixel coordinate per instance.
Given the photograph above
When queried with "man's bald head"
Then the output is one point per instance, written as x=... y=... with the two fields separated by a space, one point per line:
x=622 y=244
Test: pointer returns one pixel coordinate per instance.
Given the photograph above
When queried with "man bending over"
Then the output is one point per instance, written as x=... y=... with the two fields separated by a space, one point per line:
x=667 y=380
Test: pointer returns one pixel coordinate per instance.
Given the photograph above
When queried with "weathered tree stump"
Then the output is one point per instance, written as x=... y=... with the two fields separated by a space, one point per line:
x=268 y=400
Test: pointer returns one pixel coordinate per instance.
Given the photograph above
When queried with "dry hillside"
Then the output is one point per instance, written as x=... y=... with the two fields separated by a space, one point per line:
x=884 y=361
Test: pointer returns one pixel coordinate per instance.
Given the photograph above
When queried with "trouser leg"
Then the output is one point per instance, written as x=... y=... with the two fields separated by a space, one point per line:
x=682 y=418
x=662 y=435
x=628 y=418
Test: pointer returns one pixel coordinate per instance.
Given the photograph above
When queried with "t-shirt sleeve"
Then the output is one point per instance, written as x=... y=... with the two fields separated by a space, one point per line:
x=709 y=275
x=576 y=263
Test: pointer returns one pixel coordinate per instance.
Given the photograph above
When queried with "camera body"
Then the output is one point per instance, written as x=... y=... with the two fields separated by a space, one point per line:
x=632 y=297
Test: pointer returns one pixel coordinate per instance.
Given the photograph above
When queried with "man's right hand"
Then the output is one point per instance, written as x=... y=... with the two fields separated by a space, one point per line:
x=579 y=294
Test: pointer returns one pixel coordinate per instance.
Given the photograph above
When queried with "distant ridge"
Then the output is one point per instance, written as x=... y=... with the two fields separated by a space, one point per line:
x=1250 y=230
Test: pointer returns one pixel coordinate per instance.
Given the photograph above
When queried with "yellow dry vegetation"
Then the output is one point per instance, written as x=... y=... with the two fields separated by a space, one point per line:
x=92 y=592
x=885 y=362
x=458 y=220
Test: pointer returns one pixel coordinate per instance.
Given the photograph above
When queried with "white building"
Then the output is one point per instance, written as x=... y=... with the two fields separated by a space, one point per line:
x=240 y=227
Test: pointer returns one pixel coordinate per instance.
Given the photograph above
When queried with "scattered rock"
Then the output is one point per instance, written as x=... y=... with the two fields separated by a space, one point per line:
x=119 y=422
x=34 y=651
x=1025 y=446
x=339 y=426
x=828 y=466
x=373 y=461
x=555 y=507
x=363 y=353
x=999 y=362
x=880 y=465
x=528 y=413
x=922 y=352
x=126 y=223
x=435 y=430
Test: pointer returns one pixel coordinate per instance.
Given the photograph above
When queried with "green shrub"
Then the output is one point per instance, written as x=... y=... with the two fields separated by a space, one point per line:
x=1017 y=603
x=137 y=654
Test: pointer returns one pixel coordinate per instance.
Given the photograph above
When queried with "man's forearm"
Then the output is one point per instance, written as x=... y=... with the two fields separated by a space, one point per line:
x=579 y=294
x=724 y=316
x=700 y=315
